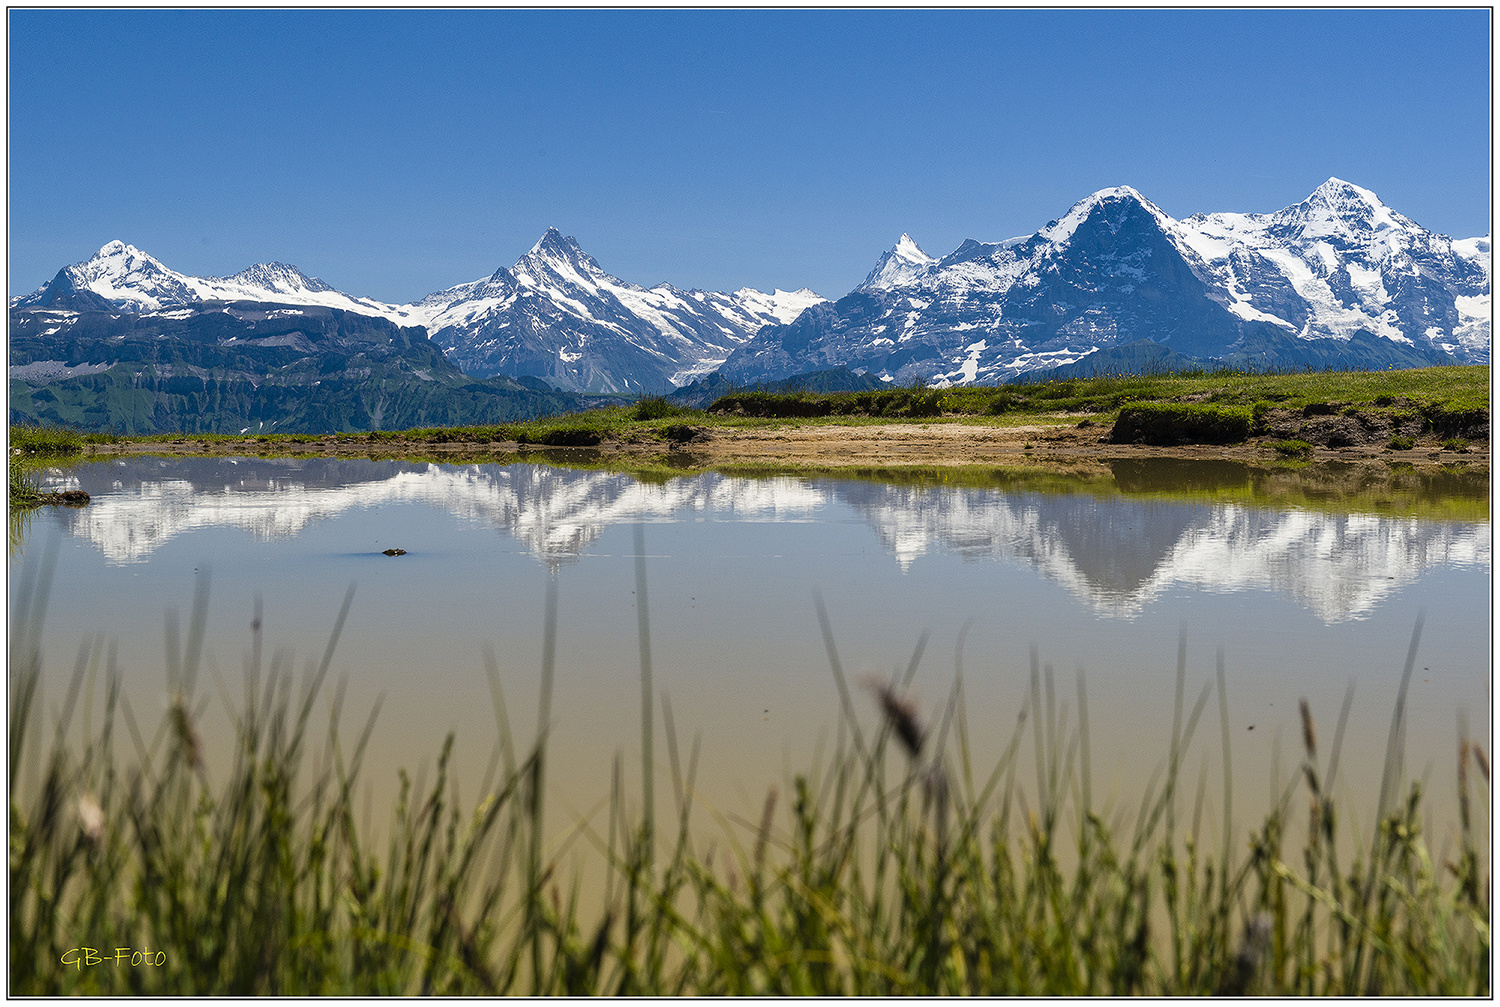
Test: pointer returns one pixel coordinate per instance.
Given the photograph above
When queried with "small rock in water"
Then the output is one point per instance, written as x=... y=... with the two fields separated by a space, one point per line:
x=395 y=552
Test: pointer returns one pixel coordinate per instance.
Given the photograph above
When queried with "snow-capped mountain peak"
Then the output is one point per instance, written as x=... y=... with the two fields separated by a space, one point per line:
x=552 y=243
x=556 y=314
x=117 y=261
x=554 y=247
x=1338 y=279
x=906 y=248
x=1339 y=209
x=1336 y=191
x=902 y=264
x=123 y=273
x=277 y=277
x=557 y=259
x=1114 y=198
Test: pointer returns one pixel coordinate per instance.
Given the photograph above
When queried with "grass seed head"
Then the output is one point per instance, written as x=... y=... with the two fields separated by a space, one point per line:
x=1309 y=730
x=901 y=711
x=90 y=818
x=767 y=817
x=190 y=744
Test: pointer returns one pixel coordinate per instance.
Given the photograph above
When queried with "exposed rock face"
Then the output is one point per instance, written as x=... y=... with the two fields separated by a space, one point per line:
x=1338 y=280
x=558 y=316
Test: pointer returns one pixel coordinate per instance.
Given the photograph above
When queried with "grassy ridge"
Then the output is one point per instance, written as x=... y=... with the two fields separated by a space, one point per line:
x=1439 y=390
x=1436 y=398
x=899 y=868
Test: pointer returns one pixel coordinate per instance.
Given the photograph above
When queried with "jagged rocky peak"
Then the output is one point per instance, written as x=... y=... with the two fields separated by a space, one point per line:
x=277 y=276
x=901 y=264
x=556 y=255
x=906 y=248
x=553 y=245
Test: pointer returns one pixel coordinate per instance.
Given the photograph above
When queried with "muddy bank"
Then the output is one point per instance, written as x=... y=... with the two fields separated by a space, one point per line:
x=1337 y=437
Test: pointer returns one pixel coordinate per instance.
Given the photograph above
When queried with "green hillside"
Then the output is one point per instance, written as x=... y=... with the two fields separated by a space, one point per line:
x=249 y=368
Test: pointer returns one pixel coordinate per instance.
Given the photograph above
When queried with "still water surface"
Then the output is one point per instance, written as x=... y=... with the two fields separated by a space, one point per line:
x=1303 y=600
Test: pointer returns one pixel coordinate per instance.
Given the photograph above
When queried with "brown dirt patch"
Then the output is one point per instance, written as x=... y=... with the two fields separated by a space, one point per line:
x=891 y=444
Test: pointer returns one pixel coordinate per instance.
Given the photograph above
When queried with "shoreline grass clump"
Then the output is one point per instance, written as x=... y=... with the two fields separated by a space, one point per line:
x=30 y=448
x=898 y=868
x=1292 y=448
x=1168 y=423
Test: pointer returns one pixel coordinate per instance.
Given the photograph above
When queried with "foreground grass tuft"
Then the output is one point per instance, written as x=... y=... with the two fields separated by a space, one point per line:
x=895 y=870
x=31 y=447
x=28 y=440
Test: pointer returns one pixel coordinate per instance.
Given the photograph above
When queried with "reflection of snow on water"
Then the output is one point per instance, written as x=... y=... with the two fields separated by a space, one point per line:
x=1119 y=554
x=1116 y=553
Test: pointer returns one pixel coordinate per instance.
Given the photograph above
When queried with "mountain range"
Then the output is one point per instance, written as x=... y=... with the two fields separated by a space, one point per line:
x=1336 y=280
x=554 y=315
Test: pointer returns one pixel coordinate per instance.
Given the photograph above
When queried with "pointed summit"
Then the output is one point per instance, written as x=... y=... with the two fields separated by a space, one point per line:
x=553 y=248
x=906 y=248
x=552 y=244
x=1341 y=197
x=555 y=258
x=1339 y=209
x=130 y=279
x=901 y=265
x=1337 y=188
x=1112 y=198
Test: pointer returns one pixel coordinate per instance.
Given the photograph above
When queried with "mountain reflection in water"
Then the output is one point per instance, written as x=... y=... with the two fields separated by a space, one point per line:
x=1165 y=525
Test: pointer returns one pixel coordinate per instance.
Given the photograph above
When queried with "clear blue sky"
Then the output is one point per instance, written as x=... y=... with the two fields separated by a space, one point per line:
x=394 y=153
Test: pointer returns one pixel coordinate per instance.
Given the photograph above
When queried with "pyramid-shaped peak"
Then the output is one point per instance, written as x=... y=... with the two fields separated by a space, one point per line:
x=902 y=264
x=556 y=255
x=116 y=258
x=553 y=242
x=907 y=248
x=1337 y=186
x=1340 y=207
x=1338 y=193
x=1117 y=195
